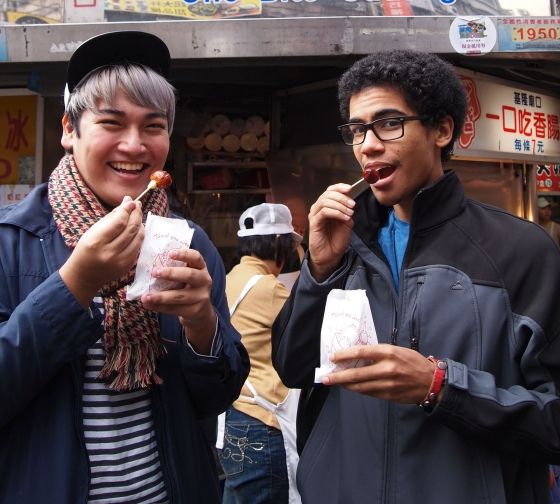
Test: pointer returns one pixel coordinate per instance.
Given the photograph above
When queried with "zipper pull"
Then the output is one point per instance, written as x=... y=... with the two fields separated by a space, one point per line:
x=394 y=336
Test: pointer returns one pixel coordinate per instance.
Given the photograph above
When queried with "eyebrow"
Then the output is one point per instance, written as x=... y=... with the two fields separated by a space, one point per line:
x=120 y=113
x=388 y=112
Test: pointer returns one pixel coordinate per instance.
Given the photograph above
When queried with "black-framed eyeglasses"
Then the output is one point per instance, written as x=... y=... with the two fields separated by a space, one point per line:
x=386 y=128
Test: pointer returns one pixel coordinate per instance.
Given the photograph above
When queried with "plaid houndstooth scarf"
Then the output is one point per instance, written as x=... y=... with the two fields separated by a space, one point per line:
x=131 y=338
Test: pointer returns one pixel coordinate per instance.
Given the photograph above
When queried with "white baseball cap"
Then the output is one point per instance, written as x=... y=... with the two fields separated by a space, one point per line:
x=542 y=202
x=267 y=219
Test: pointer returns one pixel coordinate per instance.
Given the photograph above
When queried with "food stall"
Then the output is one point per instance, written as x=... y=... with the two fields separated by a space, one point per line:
x=256 y=81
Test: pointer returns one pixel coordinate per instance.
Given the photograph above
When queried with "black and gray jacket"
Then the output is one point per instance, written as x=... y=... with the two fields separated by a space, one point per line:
x=479 y=288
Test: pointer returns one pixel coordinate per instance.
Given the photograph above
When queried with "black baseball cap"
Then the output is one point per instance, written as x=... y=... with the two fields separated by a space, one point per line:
x=115 y=48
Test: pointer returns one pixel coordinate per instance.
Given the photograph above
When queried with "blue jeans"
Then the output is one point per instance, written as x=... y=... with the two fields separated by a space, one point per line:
x=254 y=461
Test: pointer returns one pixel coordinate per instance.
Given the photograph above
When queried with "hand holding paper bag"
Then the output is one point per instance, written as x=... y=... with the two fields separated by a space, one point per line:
x=347 y=322
x=162 y=235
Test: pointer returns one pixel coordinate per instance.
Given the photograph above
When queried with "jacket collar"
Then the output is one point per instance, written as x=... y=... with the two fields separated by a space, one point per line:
x=432 y=206
x=33 y=213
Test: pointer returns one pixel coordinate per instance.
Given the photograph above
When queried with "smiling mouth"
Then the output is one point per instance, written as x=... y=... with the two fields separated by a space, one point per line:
x=128 y=167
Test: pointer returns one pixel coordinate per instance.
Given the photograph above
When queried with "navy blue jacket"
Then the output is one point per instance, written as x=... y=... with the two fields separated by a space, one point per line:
x=44 y=336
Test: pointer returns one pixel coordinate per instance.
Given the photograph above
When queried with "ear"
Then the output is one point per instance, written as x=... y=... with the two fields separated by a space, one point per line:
x=444 y=131
x=68 y=133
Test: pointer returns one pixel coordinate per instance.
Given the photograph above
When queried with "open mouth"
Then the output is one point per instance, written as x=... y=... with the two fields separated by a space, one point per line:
x=131 y=168
x=385 y=171
x=373 y=175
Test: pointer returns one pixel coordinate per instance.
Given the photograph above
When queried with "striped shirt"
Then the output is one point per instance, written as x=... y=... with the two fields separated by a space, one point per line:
x=120 y=439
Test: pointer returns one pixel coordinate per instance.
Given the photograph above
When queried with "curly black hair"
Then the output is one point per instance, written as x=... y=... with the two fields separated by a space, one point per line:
x=429 y=85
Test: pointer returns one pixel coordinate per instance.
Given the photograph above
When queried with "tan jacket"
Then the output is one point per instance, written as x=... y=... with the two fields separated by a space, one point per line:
x=253 y=319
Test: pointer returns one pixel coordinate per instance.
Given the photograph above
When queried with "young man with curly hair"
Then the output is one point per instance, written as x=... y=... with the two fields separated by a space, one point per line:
x=459 y=400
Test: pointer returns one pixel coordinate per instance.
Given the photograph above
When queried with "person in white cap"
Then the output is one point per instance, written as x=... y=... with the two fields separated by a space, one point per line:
x=259 y=456
x=104 y=399
x=545 y=218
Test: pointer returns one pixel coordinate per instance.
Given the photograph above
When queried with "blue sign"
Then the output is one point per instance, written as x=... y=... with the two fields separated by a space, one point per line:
x=3 y=45
x=447 y=2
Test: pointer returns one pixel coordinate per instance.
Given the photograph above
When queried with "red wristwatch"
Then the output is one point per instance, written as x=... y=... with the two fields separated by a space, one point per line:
x=430 y=400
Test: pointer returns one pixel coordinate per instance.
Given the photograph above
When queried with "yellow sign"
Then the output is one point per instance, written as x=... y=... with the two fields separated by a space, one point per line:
x=200 y=9
x=22 y=18
x=18 y=126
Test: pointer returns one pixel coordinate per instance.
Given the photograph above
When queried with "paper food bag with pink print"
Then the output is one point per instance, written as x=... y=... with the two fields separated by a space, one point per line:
x=347 y=322
x=161 y=236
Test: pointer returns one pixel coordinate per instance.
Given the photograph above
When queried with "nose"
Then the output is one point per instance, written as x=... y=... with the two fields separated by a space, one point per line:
x=371 y=143
x=132 y=141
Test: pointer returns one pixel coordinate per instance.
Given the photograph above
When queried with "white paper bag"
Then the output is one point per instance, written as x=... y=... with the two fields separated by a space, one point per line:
x=161 y=236
x=347 y=322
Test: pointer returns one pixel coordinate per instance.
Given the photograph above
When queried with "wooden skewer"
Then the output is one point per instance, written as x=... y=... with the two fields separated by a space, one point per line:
x=151 y=185
x=357 y=187
x=357 y=183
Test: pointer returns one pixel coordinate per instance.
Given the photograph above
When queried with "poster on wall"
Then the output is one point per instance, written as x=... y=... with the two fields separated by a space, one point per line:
x=548 y=178
x=508 y=119
x=18 y=132
x=529 y=34
x=10 y=194
x=472 y=35
x=89 y=11
x=129 y=10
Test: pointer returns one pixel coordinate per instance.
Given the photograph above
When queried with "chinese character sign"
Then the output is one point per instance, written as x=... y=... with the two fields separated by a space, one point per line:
x=10 y=194
x=502 y=118
x=18 y=125
x=529 y=34
x=548 y=178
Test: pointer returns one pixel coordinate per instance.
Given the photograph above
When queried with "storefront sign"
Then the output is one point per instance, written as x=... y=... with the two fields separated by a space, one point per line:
x=548 y=178
x=25 y=18
x=396 y=8
x=472 y=35
x=529 y=34
x=13 y=193
x=222 y=9
x=189 y=9
x=18 y=126
x=84 y=11
x=3 y=45
x=509 y=119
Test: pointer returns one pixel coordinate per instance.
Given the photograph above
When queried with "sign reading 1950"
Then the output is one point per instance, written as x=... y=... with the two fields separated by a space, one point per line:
x=524 y=33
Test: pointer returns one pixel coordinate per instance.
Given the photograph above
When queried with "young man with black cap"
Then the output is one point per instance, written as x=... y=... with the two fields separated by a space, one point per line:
x=104 y=399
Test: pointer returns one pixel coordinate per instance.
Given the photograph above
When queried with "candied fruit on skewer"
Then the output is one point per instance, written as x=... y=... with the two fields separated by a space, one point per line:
x=369 y=176
x=160 y=179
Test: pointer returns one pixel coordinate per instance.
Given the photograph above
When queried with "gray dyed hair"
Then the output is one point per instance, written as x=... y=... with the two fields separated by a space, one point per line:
x=141 y=84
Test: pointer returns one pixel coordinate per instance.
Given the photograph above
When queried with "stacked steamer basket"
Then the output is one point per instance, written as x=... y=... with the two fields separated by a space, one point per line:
x=224 y=134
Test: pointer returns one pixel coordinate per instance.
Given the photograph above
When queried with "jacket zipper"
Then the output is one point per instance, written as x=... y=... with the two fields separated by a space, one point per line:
x=79 y=421
x=389 y=421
